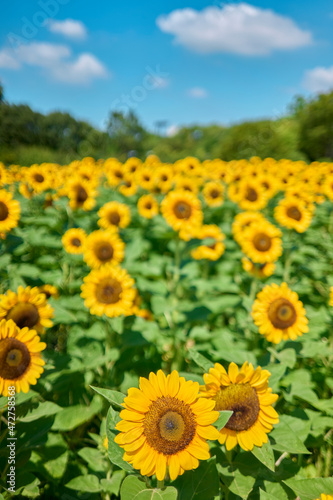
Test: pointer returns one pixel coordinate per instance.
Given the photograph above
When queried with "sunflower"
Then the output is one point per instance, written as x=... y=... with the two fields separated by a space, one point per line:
x=246 y=393
x=49 y=291
x=38 y=178
x=114 y=172
x=166 y=424
x=128 y=186
x=213 y=194
x=181 y=209
x=258 y=270
x=81 y=194
x=210 y=251
x=262 y=242
x=108 y=290
x=279 y=314
x=325 y=497
x=114 y=214
x=21 y=363
x=148 y=206
x=163 y=177
x=145 y=178
x=28 y=307
x=132 y=165
x=187 y=184
x=244 y=220
x=251 y=195
x=292 y=213
x=103 y=247
x=73 y=240
x=9 y=211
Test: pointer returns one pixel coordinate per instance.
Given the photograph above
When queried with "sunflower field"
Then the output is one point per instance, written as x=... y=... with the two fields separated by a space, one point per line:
x=166 y=330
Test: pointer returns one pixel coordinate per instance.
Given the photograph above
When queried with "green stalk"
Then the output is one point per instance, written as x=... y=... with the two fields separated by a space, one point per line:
x=160 y=484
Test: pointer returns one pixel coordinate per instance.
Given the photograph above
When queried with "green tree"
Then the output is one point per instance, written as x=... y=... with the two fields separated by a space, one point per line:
x=126 y=133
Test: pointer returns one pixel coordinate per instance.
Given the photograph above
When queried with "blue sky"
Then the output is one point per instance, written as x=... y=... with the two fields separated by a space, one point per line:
x=181 y=61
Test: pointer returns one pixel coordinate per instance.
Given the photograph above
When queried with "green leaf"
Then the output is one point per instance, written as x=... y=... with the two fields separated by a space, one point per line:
x=266 y=496
x=88 y=483
x=199 y=484
x=287 y=356
x=42 y=410
x=134 y=489
x=223 y=419
x=308 y=489
x=236 y=482
x=73 y=416
x=114 y=397
x=285 y=439
x=115 y=453
x=265 y=455
x=94 y=458
x=112 y=485
x=200 y=360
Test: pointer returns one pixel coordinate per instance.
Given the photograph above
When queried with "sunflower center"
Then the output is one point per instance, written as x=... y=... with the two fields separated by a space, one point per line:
x=114 y=218
x=262 y=242
x=169 y=425
x=242 y=399
x=118 y=174
x=164 y=178
x=282 y=313
x=14 y=358
x=81 y=195
x=104 y=252
x=148 y=206
x=76 y=242
x=3 y=211
x=251 y=194
x=182 y=210
x=39 y=178
x=24 y=314
x=214 y=193
x=294 y=213
x=108 y=291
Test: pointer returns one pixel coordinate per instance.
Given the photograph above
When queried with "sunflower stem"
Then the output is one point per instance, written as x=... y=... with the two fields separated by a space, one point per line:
x=160 y=484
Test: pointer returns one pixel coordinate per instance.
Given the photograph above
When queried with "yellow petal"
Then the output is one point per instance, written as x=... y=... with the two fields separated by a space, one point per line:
x=161 y=464
x=208 y=432
x=172 y=384
x=174 y=467
x=233 y=371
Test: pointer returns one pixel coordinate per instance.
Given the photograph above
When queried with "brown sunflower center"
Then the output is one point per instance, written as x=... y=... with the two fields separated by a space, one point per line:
x=24 y=314
x=242 y=399
x=118 y=174
x=169 y=425
x=214 y=193
x=282 y=313
x=39 y=178
x=81 y=195
x=262 y=242
x=148 y=205
x=251 y=194
x=3 y=211
x=164 y=178
x=14 y=358
x=294 y=213
x=76 y=242
x=114 y=218
x=108 y=291
x=182 y=210
x=104 y=251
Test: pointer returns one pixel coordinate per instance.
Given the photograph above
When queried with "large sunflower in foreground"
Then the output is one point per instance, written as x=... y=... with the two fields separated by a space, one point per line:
x=114 y=214
x=21 y=363
x=246 y=393
x=103 y=247
x=108 y=290
x=293 y=214
x=279 y=314
x=181 y=209
x=9 y=211
x=28 y=307
x=73 y=240
x=165 y=424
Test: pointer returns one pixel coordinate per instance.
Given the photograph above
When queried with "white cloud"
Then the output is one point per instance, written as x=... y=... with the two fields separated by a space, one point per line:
x=172 y=130
x=69 y=28
x=57 y=60
x=319 y=79
x=197 y=93
x=234 y=28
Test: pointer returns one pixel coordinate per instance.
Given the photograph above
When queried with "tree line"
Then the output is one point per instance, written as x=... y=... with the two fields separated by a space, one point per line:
x=27 y=137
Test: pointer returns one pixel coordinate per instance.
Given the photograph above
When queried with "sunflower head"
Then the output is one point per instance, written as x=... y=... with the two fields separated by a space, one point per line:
x=166 y=425
x=181 y=208
x=279 y=314
x=292 y=213
x=114 y=215
x=262 y=242
x=245 y=392
x=9 y=211
x=73 y=240
x=103 y=247
x=27 y=308
x=148 y=206
x=20 y=359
